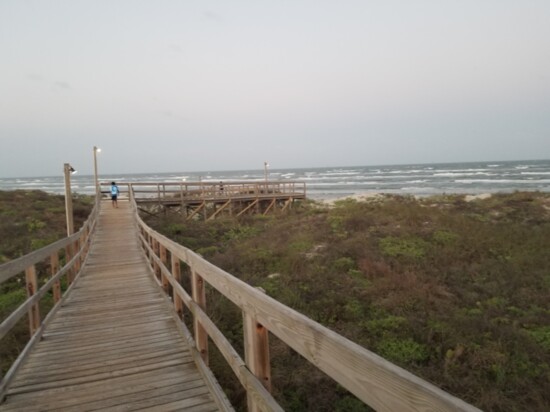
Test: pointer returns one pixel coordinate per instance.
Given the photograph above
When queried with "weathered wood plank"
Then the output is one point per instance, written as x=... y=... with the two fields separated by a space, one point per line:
x=113 y=397
x=82 y=358
x=91 y=348
x=73 y=371
x=50 y=368
x=103 y=386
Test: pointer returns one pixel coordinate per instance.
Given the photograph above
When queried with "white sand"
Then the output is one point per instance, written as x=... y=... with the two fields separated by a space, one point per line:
x=469 y=198
x=373 y=197
x=360 y=197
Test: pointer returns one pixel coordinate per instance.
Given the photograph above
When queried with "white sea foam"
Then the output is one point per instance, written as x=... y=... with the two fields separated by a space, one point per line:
x=473 y=178
x=535 y=173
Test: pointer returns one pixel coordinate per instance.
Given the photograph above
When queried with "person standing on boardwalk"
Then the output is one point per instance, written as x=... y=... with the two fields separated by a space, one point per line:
x=114 y=194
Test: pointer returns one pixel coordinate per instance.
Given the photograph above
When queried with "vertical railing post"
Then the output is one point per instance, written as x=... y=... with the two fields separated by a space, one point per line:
x=199 y=296
x=32 y=287
x=176 y=272
x=83 y=238
x=76 y=249
x=68 y=257
x=164 y=260
x=153 y=252
x=54 y=267
x=156 y=252
x=256 y=353
x=146 y=242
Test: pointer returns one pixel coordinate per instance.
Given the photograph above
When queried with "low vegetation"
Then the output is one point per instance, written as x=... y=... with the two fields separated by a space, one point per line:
x=456 y=292
x=29 y=220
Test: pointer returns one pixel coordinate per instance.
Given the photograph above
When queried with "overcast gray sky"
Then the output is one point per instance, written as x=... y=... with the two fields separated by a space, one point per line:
x=167 y=86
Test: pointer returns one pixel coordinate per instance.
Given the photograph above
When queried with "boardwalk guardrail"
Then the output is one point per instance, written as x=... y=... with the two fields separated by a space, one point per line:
x=173 y=191
x=74 y=251
x=374 y=380
x=207 y=200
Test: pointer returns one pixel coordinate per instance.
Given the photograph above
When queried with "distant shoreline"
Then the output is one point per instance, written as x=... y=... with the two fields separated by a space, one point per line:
x=331 y=183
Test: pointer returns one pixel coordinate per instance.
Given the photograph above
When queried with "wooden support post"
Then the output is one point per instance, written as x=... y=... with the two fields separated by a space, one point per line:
x=85 y=244
x=254 y=203
x=68 y=257
x=147 y=238
x=152 y=251
x=164 y=260
x=199 y=296
x=176 y=271
x=220 y=209
x=203 y=204
x=287 y=204
x=32 y=287
x=156 y=252
x=256 y=353
x=82 y=248
x=270 y=206
x=54 y=267
x=76 y=249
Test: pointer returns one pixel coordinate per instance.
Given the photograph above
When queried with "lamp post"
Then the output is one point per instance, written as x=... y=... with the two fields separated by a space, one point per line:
x=266 y=165
x=97 y=190
x=68 y=170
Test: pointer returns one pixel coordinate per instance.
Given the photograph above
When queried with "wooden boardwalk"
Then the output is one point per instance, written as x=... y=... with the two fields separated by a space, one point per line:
x=114 y=344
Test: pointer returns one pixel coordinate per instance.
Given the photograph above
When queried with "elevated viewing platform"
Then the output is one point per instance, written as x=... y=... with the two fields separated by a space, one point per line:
x=210 y=199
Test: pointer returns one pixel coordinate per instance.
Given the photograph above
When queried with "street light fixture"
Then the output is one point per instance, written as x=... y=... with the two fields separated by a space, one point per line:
x=97 y=190
x=68 y=170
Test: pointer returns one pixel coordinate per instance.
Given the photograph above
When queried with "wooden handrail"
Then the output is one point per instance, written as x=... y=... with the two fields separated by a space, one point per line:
x=377 y=382
x=230 y=189
x=78 y=245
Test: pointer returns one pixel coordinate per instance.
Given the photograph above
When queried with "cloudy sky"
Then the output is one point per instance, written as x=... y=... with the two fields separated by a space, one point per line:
x=168 y=86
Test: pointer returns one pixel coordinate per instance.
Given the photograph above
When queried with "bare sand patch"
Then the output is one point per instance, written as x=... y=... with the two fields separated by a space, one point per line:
x=482 y=196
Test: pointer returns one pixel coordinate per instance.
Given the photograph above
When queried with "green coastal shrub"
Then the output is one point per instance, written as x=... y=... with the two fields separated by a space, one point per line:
x=175 y=229
x=388 y=324
x=300 y=246
x=445 y=237
x=34 y=225
x=208 y=251
x=9 y=300
x=454 y=291
x=402 y=351
x=344 y=264
x=542 y=336
x=411 y=247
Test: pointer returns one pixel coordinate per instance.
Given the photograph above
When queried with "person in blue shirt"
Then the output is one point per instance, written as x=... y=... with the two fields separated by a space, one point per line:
x=114 y=194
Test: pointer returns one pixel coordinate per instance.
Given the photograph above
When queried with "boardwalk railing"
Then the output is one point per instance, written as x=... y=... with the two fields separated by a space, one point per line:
x=75 y=250
x=377 y=382
x=184 y=191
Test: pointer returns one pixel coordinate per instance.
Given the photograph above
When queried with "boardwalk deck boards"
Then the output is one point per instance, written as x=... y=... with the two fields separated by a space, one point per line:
x=114 y=344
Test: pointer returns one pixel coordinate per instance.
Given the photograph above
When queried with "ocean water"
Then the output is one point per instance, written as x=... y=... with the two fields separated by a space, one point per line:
x=337 y=182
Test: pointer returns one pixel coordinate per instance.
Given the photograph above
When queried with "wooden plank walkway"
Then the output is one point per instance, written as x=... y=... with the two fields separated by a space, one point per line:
x=114 y=344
